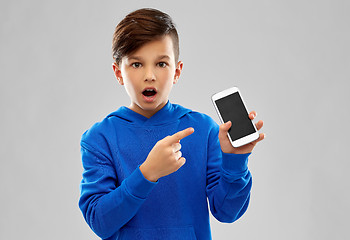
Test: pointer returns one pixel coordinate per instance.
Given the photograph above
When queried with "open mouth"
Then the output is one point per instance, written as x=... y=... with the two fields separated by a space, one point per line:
x=149 y=92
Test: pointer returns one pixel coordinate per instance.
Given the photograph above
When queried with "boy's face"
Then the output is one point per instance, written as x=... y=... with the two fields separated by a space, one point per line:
x=148 y=75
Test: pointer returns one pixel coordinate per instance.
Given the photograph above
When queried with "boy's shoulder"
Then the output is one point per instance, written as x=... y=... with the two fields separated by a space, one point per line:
x=107 y=123
x=98 y=131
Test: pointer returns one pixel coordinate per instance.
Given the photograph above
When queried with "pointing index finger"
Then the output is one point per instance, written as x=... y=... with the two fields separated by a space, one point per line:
x=182 y=134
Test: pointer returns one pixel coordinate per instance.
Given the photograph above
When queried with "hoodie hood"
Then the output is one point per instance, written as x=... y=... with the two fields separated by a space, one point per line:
x=169 y=113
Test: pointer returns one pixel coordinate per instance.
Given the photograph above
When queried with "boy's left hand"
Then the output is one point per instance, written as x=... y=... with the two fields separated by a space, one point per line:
x=226 y=145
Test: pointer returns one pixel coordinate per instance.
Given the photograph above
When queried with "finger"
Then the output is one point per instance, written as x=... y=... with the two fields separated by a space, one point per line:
x=252 y=115
x=261 y=137
x=259 y=125
x=181 y=162
x=176 y=147
x=178 y=155
x=181 y=135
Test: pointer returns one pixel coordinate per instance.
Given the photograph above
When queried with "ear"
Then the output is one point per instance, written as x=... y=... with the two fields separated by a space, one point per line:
x=117 y=73
x=178 y=71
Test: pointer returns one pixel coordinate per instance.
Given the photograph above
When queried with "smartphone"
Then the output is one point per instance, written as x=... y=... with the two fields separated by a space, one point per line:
x=230 y=106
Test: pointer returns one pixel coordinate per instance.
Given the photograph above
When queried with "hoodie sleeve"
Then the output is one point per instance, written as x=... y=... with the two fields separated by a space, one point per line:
x=228 y=181
x=107 y=207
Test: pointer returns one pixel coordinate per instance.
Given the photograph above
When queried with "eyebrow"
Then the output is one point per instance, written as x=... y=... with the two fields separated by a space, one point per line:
x=163 y=57
x=137 y=58
x=134 y=58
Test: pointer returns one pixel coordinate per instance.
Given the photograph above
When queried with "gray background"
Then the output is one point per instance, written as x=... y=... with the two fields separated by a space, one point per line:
x=291 y=60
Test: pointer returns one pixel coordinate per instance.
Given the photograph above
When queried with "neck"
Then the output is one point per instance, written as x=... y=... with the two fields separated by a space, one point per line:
x=148 y=113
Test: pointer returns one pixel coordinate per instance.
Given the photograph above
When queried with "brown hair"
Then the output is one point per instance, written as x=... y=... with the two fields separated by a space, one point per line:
x=140 y=27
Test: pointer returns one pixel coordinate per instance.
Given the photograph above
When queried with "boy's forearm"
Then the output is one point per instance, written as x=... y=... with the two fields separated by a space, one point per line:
x=105 y=207
x=112 y=211
x=228 y=182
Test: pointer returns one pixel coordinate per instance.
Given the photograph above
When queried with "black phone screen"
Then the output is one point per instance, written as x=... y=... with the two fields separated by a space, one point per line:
x=232 y=109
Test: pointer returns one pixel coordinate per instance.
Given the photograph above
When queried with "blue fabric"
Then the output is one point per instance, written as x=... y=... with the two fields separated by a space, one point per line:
x=119 y=203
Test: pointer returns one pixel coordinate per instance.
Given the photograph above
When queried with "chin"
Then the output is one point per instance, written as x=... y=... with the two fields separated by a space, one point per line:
x=151 y=106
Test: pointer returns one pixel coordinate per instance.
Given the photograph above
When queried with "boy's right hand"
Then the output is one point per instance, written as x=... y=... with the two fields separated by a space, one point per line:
x=165 y=157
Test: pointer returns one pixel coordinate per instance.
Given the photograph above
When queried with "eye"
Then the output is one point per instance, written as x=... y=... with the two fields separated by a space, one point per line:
x=162 y=64
x=136 y=65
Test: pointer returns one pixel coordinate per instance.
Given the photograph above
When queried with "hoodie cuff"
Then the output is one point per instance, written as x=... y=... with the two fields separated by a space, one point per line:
x=138 y=185
x=235 y=163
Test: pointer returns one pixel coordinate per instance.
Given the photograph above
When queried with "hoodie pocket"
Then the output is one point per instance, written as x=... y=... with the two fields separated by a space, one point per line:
x=173 y=233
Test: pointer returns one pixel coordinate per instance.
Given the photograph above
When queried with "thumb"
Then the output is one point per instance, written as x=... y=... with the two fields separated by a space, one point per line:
x=226 y=126
x=224 y=129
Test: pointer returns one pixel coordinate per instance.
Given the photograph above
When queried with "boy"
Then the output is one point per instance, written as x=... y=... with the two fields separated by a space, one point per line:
x=136 y=184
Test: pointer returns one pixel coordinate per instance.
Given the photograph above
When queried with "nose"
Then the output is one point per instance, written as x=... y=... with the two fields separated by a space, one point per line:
x=150 y=75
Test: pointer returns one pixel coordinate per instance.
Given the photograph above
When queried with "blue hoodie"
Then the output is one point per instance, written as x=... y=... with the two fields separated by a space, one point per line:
x=119 y=203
